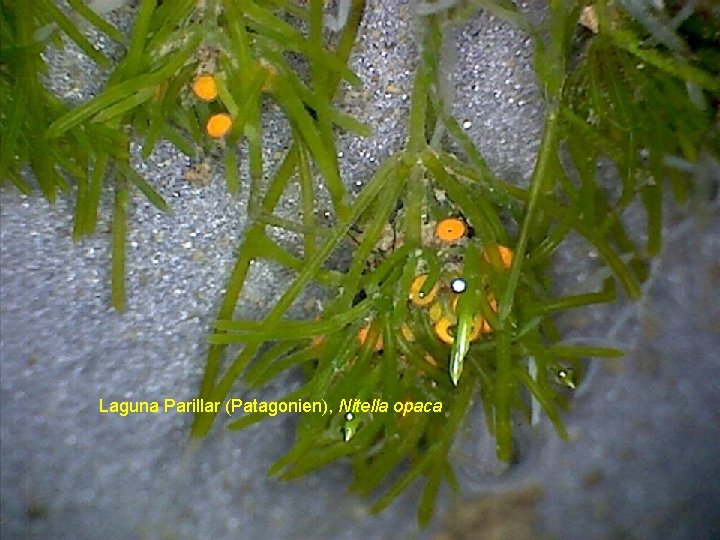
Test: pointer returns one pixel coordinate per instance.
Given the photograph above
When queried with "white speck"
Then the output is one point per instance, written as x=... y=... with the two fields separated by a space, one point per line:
x=458 y=285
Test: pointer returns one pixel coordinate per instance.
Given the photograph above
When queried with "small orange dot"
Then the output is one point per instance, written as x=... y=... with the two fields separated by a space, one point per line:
x=506 y=255
x=205 y=88
x=363 y=334
x=450 y=229
x=416 y=296
x=218 y=125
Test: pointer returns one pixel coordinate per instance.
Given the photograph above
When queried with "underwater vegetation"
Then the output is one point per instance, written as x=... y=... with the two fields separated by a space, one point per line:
x=447 y=297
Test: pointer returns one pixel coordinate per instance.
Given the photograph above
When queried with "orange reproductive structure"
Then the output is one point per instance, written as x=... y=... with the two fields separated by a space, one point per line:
x=218 y=125
x=450 y=230
x=205 y=88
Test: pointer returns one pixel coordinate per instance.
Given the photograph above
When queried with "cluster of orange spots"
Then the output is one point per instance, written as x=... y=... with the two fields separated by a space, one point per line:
x=505 y=255
x=365 y=330
x=450 y=230
x=205 y=88
x=416 y=295
x=443 y=324
x=362 y=335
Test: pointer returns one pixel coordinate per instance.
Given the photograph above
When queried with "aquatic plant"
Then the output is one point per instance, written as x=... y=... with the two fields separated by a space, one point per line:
x=447 y=298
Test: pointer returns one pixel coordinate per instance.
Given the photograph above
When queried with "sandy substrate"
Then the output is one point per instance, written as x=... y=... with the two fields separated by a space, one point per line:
x=642 y=462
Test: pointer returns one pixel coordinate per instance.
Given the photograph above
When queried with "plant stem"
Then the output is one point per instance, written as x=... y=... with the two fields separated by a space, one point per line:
x=505 y=383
